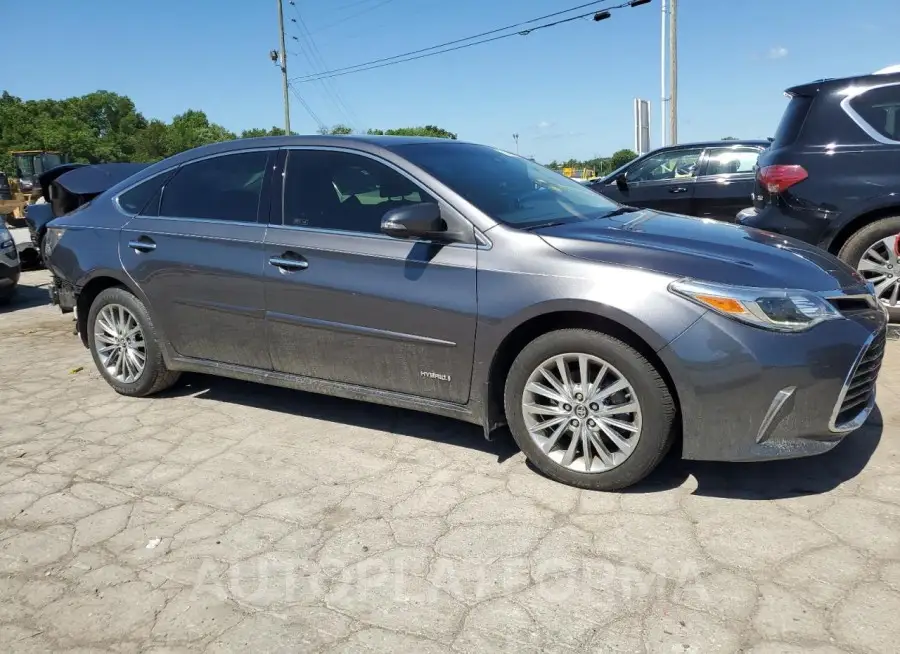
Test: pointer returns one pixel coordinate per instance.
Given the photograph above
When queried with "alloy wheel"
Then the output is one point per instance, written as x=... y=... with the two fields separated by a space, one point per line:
x=119 y=343
x=879 y=265
x=582 y=412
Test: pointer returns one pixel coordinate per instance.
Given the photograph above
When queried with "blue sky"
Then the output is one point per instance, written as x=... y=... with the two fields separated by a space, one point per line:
x=567 y=91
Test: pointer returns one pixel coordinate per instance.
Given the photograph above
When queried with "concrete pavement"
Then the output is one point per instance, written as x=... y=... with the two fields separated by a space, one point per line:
x=227 y=516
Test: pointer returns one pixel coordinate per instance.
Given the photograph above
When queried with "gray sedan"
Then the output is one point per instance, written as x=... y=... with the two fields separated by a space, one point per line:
x=464 y=281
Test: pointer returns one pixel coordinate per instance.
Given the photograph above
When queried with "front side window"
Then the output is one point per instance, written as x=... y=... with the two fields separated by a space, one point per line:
x=673 y=164
x=508 y=188
x=327 y=189
x=880 y=108
x=220 y=188
x=727 y=161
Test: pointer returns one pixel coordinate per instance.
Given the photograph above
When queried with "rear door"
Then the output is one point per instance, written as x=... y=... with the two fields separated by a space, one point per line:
x=725 y=181
x=663 y=181
x=195 y=248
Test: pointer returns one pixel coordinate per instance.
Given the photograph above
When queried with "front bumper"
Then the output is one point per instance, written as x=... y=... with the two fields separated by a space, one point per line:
x=750 y=394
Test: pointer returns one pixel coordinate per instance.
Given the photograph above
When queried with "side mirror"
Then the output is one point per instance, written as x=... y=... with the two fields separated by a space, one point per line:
x=621 y=181
x=421 y=220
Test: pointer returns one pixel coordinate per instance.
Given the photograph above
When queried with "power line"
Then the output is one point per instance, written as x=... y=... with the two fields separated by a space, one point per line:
x=410 y=56
x=315 y=55
x=352 y=16
x=312 y=114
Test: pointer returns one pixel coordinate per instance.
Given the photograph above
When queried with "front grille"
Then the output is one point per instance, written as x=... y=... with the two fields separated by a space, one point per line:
x=851 y=304
x=860 y=386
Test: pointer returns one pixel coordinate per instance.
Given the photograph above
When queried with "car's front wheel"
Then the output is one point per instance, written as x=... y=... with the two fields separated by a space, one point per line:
x=125 y=345
x=588 y=409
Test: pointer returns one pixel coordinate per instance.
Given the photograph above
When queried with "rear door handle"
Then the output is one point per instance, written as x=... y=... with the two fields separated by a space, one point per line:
x=289 y=264
x=678 y=189
x=143 y=244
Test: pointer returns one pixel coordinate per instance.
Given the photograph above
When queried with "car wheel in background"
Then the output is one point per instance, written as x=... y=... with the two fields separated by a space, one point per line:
x=589 y=410
x=125 y=346
x=873 y=252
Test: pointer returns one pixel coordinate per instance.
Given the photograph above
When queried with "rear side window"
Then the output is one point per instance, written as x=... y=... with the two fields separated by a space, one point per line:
x=221 y=188
x=727 y=161
x=880 y=109
x=792 y=121
x=144 y=198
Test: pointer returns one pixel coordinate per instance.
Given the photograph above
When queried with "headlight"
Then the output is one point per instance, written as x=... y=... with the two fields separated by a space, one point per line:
x=770 y=308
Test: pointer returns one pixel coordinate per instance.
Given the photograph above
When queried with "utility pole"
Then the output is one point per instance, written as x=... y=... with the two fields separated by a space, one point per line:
x=516 y=139
x=673 y=72
x=662 y=77
x=284 y=77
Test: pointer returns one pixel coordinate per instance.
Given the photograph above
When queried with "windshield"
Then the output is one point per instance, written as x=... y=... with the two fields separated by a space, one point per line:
x=47 y=161
x=508 y=188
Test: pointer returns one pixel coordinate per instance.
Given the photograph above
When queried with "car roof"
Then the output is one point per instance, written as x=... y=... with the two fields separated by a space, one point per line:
x=713 y=144
x=811 y=88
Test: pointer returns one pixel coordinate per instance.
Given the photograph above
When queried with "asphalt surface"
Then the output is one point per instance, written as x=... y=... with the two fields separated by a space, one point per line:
x=227 y=516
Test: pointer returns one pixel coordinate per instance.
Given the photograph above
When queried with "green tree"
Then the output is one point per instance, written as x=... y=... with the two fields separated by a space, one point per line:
x=730 y=138
x=621 y=157
x=336 y=130
x=428 y=130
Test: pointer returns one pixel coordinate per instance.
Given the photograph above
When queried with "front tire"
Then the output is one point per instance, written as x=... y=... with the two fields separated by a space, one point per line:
x=872 y=251
x=125 y=346
x=588 y=409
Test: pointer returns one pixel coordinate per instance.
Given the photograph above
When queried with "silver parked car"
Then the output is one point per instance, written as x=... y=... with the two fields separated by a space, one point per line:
x=465 y=281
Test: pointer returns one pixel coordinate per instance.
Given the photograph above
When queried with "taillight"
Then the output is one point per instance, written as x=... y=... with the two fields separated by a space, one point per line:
x=778 y=179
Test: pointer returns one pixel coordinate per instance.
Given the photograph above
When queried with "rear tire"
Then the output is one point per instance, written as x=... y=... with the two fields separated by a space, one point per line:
x=868 y=238
x=639 y=439
x=106 y=340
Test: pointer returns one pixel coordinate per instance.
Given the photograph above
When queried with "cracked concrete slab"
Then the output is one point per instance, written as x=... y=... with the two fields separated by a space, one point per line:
x=229 y=517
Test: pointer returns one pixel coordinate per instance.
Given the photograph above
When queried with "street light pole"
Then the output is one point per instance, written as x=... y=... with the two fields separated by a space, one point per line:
x=663 y=118
x=516 y=139
x=673 y=72
x=284 y=77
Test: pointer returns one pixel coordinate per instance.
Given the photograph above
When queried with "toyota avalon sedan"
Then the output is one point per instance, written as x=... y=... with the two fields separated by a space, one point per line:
x=464 y=281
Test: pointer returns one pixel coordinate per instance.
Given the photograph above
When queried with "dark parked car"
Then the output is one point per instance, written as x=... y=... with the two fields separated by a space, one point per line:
x=464 y=281
x=709 y=180
x=9 y=265
x=832 y=175
x=5 y=191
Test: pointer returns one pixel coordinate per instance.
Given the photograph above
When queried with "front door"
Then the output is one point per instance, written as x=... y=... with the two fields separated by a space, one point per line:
x=196 y=250
x=663 y=181
x=346 y=303
x=726 y=181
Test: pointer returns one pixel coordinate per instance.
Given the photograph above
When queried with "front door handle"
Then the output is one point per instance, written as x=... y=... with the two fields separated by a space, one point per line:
x=143 y=244
x=289 y=264
x=678 y=189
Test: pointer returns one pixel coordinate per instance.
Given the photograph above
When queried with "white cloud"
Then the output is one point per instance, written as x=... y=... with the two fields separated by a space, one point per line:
x=778 y=52
x=544 y=124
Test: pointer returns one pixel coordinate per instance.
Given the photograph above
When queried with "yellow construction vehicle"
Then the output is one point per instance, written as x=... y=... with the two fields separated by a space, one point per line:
x=24 y=183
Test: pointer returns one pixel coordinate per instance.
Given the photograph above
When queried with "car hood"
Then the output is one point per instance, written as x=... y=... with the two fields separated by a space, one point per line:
x=703 y=249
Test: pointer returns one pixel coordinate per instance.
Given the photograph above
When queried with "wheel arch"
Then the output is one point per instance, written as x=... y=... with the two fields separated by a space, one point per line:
x=88 y=291
x=858 y=222
x=538 y=325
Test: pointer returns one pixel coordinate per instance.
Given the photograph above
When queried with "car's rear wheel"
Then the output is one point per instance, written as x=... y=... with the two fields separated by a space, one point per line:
x=125 y=346
x=588 y=409
x=873 y=252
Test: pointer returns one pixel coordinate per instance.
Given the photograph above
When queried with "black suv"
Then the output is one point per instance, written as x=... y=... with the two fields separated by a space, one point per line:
x=711 y=180
x=832 y=175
